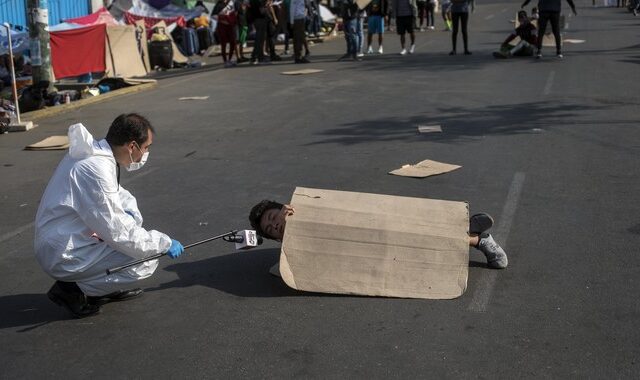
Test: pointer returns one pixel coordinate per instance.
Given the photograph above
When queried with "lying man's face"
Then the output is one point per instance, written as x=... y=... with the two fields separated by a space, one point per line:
x=269 y=219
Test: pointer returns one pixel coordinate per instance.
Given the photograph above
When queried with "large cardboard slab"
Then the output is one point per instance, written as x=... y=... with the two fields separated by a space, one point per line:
x=123 y=58
x=362 y=4
x=424 y=168
x=50 y=143
x=376 y=245
x=302 y=72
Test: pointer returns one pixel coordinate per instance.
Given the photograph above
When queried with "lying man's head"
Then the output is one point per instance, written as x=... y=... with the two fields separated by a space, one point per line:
x=268 y=218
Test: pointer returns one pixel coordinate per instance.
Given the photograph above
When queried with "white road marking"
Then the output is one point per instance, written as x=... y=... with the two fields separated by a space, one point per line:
x=489 y=17
x=547 y=86
x=487 y=282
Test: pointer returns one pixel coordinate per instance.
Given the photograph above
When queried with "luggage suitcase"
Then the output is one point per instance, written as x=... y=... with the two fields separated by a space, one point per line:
x=204 y=38
x=160 y=54
x=190 y=44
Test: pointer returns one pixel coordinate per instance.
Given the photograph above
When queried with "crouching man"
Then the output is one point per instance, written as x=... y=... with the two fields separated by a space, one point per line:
x=87 y=222
x=269 y=219
x=528 y=35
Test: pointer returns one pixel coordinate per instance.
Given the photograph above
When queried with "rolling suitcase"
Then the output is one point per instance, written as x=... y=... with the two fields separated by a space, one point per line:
x=204 y=38
x=160 y=54
x=190 y=44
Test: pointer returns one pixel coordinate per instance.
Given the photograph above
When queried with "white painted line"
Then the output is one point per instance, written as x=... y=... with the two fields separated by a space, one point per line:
x=483 y=292
x=489 y=17
x=547 y=86
x=16 y=232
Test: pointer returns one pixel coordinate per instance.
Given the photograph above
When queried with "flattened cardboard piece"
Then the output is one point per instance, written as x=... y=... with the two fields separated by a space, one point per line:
x=425 y=168
x=141 y=28
x=574 y=41
x=429 y=128
x=123 y=59
x=50 y=143
x=302 y=72
x=375 y=245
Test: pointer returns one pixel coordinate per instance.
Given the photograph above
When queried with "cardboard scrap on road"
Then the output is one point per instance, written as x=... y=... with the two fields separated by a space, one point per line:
x=50 y=143
x=573 y=41
x=194 y=98
x=424 y=168
x=429 y=128
x=302 y=72
x=376 y=245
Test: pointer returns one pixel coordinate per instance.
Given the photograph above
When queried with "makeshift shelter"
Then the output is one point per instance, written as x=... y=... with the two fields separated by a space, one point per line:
x=19 y=41
x=101 y=16
x=78 y=51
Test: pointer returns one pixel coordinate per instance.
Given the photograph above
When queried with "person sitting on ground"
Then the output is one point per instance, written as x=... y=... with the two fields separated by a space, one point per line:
x=268 y=218
x=528 y=34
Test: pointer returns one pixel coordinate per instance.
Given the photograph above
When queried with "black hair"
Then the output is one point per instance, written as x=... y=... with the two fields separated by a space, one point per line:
x=129 y=127
x=522 y=13
x=256 y=214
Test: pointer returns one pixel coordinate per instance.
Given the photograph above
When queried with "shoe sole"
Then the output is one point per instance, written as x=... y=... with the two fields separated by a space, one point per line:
x=479 y=223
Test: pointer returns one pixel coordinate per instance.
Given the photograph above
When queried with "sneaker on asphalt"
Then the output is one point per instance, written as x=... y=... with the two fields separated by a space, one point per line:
x=538 y=55
x=432 y=27
x=403 y=52
x=412 y=49
x=479 y=223
x=559 y=56
x=422 y=29
x=380 y=50
x=360 y=55
x=496 y=256
x=370 y=50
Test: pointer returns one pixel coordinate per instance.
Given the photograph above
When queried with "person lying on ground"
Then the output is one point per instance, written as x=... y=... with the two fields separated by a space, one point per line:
x=269 y=219
x=528 y=34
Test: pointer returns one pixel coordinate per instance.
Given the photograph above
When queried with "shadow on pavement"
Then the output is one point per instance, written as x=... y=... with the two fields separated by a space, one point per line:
x=30 y=310
x=244 y=274
x=459 y=123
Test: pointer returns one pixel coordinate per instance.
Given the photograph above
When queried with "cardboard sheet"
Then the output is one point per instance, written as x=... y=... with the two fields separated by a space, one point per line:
x=123 y=59
x=375 y=245
x=302 y=72
x=50 y=143
x=424 y=168
x=573 y=41
x=362 y=4
x=194 y=98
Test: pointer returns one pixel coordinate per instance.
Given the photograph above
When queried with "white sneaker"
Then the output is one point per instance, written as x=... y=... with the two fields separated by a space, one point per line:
x=403 y=52
x=422 y=29
x=360 y=55
x=380 y=50
x=412 y=49
x=432 y=27
x=560 y=56
x=370 y=50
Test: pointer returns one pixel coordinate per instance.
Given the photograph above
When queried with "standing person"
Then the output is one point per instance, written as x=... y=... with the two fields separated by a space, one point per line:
x=460 y=16
x=378 y=12
x=361 y=15
x=87 y=222
x=273 y=9
x=315 y=23
x=406 y=12
x=297 y=18
x=422 y=11
x=243 y=30
x=349 y=10
x=445 y=8
x=430 y=14
x=550 y=11
x=226 y=14
x=258 y=12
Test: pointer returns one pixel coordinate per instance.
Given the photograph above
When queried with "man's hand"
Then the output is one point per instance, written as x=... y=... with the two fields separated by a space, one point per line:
x=287 y=210
x=175 y=250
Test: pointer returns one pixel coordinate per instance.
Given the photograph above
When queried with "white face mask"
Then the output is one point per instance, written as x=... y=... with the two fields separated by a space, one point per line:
x=137 y=165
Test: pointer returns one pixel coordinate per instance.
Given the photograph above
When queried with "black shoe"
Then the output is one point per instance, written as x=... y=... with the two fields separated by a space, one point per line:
x=479 y=223
x=242 y=59
x=122 y=295
x=346 y=56
x=467 y=52
x=356 y=58
x=69 y=295
x=307 y=54
x=276 y=58
x=302 y=60
x=452 y=52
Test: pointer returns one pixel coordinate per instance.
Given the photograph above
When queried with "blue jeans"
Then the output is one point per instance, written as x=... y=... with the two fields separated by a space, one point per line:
x=359 y=34
x=350 y=27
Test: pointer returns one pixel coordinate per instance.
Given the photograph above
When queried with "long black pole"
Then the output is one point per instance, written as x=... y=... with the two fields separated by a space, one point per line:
x=159 y=255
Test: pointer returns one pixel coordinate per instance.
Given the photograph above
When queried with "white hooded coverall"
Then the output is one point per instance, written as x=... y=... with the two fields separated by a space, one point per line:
x=81 y=227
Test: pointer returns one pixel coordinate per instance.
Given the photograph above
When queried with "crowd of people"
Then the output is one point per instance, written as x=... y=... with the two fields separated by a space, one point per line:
x=285 y=20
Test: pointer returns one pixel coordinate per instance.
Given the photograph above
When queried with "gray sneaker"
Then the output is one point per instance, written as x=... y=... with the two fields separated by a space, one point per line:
x=479 y=223
x=496 y=256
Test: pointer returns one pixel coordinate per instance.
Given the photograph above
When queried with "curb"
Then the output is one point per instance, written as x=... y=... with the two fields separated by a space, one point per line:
x=51 y=111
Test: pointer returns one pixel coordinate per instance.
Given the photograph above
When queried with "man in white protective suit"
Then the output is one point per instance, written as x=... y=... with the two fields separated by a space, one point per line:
x=87 y=222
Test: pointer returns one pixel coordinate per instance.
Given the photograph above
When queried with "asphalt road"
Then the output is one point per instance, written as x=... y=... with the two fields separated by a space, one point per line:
x=549 y=147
